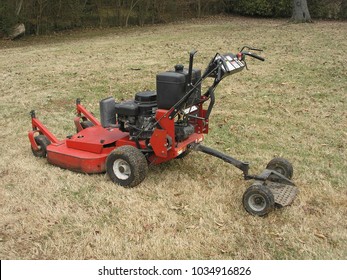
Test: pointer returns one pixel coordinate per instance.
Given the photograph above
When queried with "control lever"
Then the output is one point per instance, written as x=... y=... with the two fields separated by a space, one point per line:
x=251 y=49
x=254 y=55
x=241 y=55
x=191 y=59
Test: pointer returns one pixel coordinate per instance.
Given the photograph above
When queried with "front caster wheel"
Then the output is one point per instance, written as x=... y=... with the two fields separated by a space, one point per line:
x=126 y=166
x=258 y=200
x=42 y=143
x=282 y=166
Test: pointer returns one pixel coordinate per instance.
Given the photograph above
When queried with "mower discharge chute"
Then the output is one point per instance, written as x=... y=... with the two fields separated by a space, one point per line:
x=158 y=126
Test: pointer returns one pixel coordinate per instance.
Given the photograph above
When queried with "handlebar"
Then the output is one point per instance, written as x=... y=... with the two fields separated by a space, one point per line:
x=253 y=55
x=219 y=67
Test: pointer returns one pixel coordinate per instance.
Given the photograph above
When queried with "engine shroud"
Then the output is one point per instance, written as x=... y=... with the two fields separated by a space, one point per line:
x=138 y=116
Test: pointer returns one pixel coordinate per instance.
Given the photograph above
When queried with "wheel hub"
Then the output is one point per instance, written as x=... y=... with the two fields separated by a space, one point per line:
x=280 y=170
x=121 y=169
x=257 y=202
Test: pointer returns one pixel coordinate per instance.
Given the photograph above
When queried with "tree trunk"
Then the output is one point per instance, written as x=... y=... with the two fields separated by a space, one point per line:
x=19 y=7
x=142 y=11
x=199 y=8
x=153 y=13
x=343 y=9
x=300 y=11
x=41 y=6
x=98 y=5
x=132 y=6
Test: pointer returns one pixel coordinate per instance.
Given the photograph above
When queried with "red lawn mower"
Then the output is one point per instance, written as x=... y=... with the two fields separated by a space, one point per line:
x=158 y=126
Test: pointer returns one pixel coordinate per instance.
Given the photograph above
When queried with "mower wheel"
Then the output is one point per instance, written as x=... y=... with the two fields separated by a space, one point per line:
x=86 y=124
x=258 y=200
x=126 y=166
x=282 y=166
x=42 y=142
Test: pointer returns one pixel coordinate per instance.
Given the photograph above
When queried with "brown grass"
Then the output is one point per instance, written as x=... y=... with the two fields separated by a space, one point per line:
x=292 y=105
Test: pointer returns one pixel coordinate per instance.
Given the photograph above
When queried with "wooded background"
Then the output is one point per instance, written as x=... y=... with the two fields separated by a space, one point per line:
x=45 y=16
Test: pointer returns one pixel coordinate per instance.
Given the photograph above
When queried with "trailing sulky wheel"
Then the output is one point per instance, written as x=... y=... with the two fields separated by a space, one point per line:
x=42 y=142
x=126 y=166
x=282 y=166
x=258 y=200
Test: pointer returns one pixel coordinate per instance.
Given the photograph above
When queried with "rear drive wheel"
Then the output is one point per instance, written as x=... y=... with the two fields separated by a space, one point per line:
x=42 y=143
x=258 y=200
x=126 y=166
x=282 y=166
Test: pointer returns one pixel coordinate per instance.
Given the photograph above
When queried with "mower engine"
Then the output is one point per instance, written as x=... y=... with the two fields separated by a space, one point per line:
x=137 y=117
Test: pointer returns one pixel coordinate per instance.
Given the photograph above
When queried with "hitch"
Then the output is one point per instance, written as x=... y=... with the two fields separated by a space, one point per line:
x=243 y=166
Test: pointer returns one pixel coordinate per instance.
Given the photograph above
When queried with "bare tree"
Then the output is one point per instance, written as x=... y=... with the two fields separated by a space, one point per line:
x=41 y=5
x=142 y=11
x=133 y=3
x=205 y=6
x=300 y=11
x=343 y=9
x=19 y=5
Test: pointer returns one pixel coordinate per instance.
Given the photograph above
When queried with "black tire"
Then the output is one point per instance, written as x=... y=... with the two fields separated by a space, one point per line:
x=281 y=165
x=126 y=166
x=258 y=200
x=86 y=124
x=42 y=142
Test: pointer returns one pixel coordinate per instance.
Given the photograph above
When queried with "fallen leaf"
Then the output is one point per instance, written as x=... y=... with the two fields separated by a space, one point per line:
x=319 y=235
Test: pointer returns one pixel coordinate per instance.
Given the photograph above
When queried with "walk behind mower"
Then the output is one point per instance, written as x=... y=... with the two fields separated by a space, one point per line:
x=158 y=126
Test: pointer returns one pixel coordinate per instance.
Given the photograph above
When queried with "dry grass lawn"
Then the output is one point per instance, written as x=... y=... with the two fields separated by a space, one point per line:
x=293 y=105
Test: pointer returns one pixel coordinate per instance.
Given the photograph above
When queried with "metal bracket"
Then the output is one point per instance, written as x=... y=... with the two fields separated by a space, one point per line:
x=272 y=176
x=32 y=114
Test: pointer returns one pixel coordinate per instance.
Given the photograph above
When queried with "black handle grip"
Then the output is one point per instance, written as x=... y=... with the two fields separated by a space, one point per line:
x=254 y=55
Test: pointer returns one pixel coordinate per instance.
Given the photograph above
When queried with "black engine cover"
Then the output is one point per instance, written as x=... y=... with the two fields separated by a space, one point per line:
x=173 y=85
x=127 y=108
x=147 y=102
